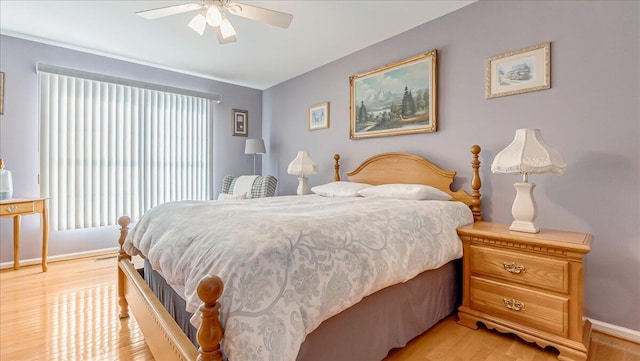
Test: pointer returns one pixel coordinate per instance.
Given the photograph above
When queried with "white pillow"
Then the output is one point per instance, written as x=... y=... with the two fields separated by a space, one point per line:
x=406 y=191
x=227 y=197
x=339 y=189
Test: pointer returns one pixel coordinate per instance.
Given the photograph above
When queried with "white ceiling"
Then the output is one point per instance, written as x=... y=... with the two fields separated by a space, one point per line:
x=263 y=56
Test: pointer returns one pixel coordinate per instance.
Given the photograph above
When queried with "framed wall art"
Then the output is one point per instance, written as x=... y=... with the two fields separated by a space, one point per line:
x=1 y=92
x=519 y=71
x=395 y=99
x=240 y=122
x=319 y=116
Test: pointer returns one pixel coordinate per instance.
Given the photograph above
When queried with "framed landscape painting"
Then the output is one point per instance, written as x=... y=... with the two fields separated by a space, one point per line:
x=395 y=99
x=519 y=71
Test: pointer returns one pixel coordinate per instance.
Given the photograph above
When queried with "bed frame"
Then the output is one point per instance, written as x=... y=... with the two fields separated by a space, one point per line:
x=164 y=336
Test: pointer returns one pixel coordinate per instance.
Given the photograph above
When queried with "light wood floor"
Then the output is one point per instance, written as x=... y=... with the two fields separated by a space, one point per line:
x=70 y=313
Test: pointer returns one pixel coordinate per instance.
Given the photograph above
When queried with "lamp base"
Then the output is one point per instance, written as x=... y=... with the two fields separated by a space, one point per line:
x=303 y=186
x=524 y=209
x=521 y=226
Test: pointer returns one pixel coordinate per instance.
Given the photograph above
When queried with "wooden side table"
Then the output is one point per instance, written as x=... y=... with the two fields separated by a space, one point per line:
x=527 y=284
x=18 y=207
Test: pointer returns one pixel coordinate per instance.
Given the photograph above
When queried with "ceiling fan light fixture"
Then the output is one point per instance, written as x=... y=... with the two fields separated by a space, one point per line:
x=226 y=29
x=214 y=16
x=213 y=12
x=198 y=24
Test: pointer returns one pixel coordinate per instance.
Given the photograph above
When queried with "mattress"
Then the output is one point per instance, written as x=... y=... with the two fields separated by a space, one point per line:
x=403 y=311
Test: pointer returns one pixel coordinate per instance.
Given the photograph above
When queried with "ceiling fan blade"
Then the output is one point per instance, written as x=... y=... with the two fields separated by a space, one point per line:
x=168 y=10
x=267 y=16
x=221 y=39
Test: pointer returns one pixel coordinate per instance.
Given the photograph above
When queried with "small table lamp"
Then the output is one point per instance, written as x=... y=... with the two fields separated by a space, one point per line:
x=527 y=154
x=6 y=183
x=301 y=166
x=254 y=146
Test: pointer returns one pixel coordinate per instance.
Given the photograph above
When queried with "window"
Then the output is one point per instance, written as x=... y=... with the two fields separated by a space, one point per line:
x=112 y=147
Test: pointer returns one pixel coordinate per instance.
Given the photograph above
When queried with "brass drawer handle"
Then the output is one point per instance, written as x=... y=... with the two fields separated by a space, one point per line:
x=12 y=209
x=513 y=267
x=513 y=304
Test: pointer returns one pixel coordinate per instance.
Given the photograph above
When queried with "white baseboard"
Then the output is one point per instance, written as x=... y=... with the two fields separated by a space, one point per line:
x=62 y=257
x=617 y=331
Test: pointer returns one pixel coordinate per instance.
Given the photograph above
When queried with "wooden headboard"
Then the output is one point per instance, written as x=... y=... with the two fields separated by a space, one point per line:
x=405 y=168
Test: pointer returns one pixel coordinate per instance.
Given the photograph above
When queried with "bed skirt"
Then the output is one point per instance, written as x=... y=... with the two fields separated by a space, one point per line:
x=387 y=319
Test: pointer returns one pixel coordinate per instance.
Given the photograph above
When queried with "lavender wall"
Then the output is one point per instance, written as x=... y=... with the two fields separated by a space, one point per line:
x=19 y=133
x=591 y=115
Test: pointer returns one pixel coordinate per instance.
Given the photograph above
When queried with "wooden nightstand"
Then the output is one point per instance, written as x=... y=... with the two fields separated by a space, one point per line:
x=527 y=284
x=18 y=207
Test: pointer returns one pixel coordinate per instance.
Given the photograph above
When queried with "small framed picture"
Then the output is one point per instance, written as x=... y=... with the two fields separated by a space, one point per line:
x=240 y=122
x=319 y=116
x=1 y=93
x=519 y=71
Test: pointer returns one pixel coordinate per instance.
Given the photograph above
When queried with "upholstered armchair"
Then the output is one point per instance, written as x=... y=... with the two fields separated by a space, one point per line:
x=248 y=186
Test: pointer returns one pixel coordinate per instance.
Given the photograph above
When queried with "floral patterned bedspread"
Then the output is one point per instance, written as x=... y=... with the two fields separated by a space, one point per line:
x=288 y=263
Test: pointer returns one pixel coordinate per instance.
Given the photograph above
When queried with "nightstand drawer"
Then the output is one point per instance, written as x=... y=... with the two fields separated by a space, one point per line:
x=546 y=273
x=16 y=208
x=532 y=309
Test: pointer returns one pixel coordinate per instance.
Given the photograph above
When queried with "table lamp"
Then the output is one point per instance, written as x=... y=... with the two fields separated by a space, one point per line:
x=6 y=183
x=527 y=154
x=302 y=166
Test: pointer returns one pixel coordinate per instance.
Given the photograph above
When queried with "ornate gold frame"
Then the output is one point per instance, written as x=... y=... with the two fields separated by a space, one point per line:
x=541 y=56
x=398 y=124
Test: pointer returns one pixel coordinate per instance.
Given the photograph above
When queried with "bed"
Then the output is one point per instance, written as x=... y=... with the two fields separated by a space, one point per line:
x=392 y=310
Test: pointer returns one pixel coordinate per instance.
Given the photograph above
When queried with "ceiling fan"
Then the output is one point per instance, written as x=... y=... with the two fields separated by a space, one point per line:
x=214 y=13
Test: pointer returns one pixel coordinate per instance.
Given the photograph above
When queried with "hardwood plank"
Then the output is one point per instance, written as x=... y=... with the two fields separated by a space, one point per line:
x=67 y=314
x=448 y=341
x=70 y=313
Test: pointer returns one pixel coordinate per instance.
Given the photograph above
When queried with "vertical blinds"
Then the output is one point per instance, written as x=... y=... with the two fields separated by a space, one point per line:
x=110 y=149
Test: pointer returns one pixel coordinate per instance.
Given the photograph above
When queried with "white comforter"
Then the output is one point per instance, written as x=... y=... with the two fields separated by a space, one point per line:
x=288 y=263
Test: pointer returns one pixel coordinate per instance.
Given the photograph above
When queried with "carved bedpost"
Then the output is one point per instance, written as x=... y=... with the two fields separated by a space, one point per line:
x=337 y=167
x=210 y=332
x=124 y=222
x=476 y=183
